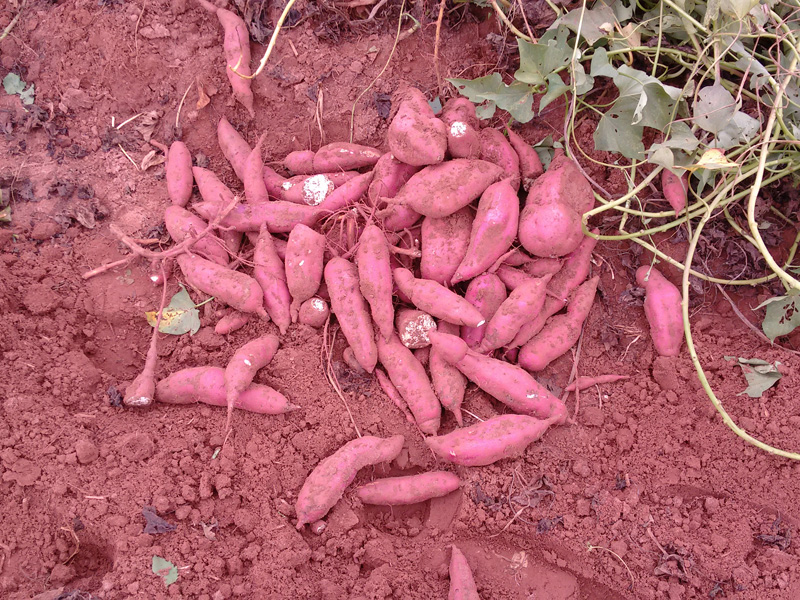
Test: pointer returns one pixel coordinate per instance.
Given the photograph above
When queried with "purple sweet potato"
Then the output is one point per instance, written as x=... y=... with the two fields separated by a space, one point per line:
x=233 y=146
x=231 y=322
x=662 y=307
x=486 y=293
x=347 y=193
x=389 y=176
x=179 y=173
x=313 y=189
x=416 y=137
x=300 y=162
x=314 y=312
x=445 y=241
x=496 y=149
x=512 y=278
x=396 y=491
x=277 y=215
x=462 y=583
x=243 y=366
x=255 y=190
x=181 y=224
x=413 y=327
x=675 y=189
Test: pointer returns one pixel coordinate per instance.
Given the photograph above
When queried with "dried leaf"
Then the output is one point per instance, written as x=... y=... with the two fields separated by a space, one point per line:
x=760 y=375
x=181 y=316
x=153 y=523
x=151 y=159
x=84 y=214
x=146 y=124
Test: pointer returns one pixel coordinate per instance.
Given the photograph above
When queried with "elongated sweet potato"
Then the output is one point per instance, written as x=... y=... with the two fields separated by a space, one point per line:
x=484 y=443
x=449 y=383
x=410 y=379
x=584 y=382
x=522 y=305
x=343 y=156
x=269 y=272
x=211 y=189
x=507 y=383
x=231 y=322
x=243 y=366
x=675 y=189
x=179 y=173
x=561 y=332
x=486 y=293
x=395 y=491
x=539 y=267
x=397 y=217
x=391 y=392
x=346 y=194
x=300 y=162
x=530 y=165
x=274 y=183
x=278 y=216
x=389 y=175
x=235 y=289
x=512 y=278
x=313 y=189
x=437 y=300
x=375 y=277
x=416 y=136
x=662 y=307
x=305 y=252
x=255 y=190
x=445 y=241
x=350 y=308
x=441 y=190
x=496 y=149
x=463 y=139
x=327 y=482
x=233 y=146
x=494 y=229
x=462 y=583
x=182 y=224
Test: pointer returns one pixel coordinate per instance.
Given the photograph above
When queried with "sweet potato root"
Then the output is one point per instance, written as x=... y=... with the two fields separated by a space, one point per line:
x=395 y=491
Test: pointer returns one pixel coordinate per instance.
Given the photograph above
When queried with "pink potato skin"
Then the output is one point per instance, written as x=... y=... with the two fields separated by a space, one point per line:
x=181 y=224
x=484 y=443
x=231 y=322
x=463 y=138
x=207 y=385
x=375 y=277
x=179 y=173
x=270 y=273
x=530 y=165
x=233 y=146
x=507 y=383
x=496 y=149
x=389 y=176
x=494 y=229
x=449 y=384
x=441 y=190
x=351 y=310
x=395 y=491
x=486 y=293
x=391 y=392
x=397 y=217
x=662 y=307
x=462 y=583
x=512 y=278
x=561 y=332
x=436 y=300
x=346 y=194
x=255 y=190
x=445 y=241
x=416 y=137
x=235 y=289
x=274 y=183
x=236 y=46
x=539 y=267
x=300 y=162
x=408 y=375
x=327 y=482
x=313 y=189
x=211 y=189
x=314 y=312
x=343 y=156
x=245 y=363
x=675 y=189
x=278 y=216
x=305 y=253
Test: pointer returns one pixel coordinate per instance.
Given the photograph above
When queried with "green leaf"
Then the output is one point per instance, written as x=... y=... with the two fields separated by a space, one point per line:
x=760 y=375
x=516 y=98
x=555 y=89
x=615 y=133
x=739 y=130
x=600 y=66
x=181 y=316
x=594 y=24
x=14 y=85
x=782 y=316
x=737 y=8
x=537 y=61
x=436 y=105
x=485 y=110
x=165 y=569
x=714 y=108
x=675 y=150
x=650 y=101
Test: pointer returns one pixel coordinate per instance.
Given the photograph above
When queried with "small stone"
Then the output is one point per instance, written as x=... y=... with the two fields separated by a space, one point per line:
x=711 y=505
x=44 y=230
x=593 y=416
x=86 y=451
x=581 y=468
x=61 y=574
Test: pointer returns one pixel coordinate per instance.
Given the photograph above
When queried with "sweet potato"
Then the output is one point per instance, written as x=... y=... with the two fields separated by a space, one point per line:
x=397 y=217
x=233 y=146
x=343 y=156
x=494 y=229
x=416 y=137
x=350 y=308
x=313 y=312
x=181 y=224
x=449 y=383
x=486 y=293
x=437 y=300
x=507 y=383
x=675 y=189
x=179 y=173
x=207 y=385
x=274 y=183
x=539 y=267
x=346 y=194
x=444 y=244
x=521 y=306
x=462 y=583
x=441 y=190
x=413 y=327
x=512 y=278
x=410 y=379
x=582 y=383
x=463 y=139
x=243 y=366
x=395 y=491
x=300 y=162
x=375 y=277
x=662 y=307
x=391 y=392
x=235 y=289
x=484 y=443
x=231 y=322
x=561 y=332
x=389 y=176
x=496 y=149
x=211 y=189
x=255 y=190
x=269 y=272
x=327 y=482
x=305 y=252
x=313 y=189
x=530 y=165
x=278 y=216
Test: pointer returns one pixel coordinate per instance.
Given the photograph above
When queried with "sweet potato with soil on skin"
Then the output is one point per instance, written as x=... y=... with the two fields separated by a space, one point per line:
x=505 y=436
x=391 y=392
x=463 y=138
x=211 y=188
x=515 y=258
x=231 y=322
x=346 y=194
x=255 y=190
x=449 y=383
x=522 y=305
x=274 y=183
x=494 y=229
x=270 y=273
x=411 y=489
x=398 y=217
x=413 y=327
x=389 y=176
x=445 y=241
x=441 y=190
x=278 y=216
x=207 y=385
x=462 y=583
x=375 y=277
x=512 y=278
x=583 y=383
x=539 y=267
x=416 y=137
x=662 y=307
x=507 y=383
x=561 y=332
x=486 y=293
x=237 y=290
x=313 y=189
x=530 y=165
x=313 y=312
x=326 y=484
x=300 y=162
x=343 y=156
x=178 y=172
x=675 y=189
x=350 y=308
x=437 y=300
x=305 y=253
x=181 y=224
x=243 y=366
x=410 y=379
x=496 y=149
x=233 y=146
